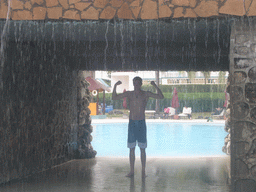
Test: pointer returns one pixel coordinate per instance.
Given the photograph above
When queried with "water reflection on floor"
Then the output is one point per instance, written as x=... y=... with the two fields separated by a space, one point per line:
x=202 y=174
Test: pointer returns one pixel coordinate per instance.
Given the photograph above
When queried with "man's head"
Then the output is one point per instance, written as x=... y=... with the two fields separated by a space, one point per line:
x=137 y=82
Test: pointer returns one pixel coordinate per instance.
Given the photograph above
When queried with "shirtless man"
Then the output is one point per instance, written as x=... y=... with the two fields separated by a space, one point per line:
x=137 y=127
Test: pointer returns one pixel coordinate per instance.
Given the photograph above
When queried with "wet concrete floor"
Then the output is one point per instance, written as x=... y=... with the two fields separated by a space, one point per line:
x=200 y=174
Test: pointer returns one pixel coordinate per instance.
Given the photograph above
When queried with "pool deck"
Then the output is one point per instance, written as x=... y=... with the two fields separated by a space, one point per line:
x=169 y=174
x=100 y=174
x=121 y=120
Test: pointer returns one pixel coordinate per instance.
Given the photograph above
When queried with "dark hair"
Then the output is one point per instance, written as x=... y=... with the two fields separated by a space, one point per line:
x=137 y=79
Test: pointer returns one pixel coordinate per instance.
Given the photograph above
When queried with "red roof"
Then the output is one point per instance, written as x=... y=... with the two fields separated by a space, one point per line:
x=96 y=85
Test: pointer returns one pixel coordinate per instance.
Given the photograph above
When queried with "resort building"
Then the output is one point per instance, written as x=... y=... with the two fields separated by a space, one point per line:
x=165 y=78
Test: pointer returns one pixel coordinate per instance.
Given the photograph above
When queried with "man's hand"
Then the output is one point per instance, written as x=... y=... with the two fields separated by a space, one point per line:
x=153 y=83
x=118 y=83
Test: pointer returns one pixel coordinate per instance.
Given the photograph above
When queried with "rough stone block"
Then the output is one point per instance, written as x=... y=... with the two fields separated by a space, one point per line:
x=241 y=169
x=252 y=74
x=3 y=10
x=181 y=2
x=149 y=10
x=250 y=92
x=164 y=11
x=190 y=13
x=241 y=148
x=242 y=63
x=244 y=185
x=192 y=3
x=90 y=13
x=117 y=3
x=178 y=12
x=253 y=48
x=252 y=9
x=253 y=114
x=51 y=3
x=240 y=77
x=100 y=3
x=253 y=171
x=71 y=14
x=82 y=5
x=233 y=7
x=241 y=38
x=22 y=15
x=136 y=11
x=54 y=12
x=247 y=4
x=38 y=2
x=242 y=50
x=28 y=5
x=160 y=3
x=16 y=4
x=237 y=93
x=240 y=110
x=39 y=13
x=64 y=4
x=108 y=13
x=73 y=1
x=207 y=9
x=136 y=3
x=124 y=12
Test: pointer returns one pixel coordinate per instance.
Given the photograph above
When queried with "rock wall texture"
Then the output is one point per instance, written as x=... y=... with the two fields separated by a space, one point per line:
x=85 y=128
x=243 y=105
x=123 y=9
x=39 y=114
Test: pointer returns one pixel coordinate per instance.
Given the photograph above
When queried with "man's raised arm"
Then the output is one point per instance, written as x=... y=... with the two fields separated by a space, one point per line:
x=119 y=96
x=159 y=94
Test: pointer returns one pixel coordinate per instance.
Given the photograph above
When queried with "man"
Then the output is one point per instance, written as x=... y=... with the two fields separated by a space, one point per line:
x=137 y=127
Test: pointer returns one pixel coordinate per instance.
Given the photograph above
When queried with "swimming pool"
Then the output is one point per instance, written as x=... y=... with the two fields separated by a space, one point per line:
x=164 y=139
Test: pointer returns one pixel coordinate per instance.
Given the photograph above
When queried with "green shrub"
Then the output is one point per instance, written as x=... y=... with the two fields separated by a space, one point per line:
x=200 y=102
x=190 y=88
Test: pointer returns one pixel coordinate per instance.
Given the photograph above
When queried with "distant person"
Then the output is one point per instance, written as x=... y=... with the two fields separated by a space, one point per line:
x=137 y=131
x=189 y=115
x=217 y=111
x=166 y=112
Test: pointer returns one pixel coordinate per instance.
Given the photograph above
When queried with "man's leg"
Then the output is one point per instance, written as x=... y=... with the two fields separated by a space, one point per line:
x=132 y=161
x=143 y=161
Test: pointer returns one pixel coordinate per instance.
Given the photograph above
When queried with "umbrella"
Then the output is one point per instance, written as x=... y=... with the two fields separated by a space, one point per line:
x=175 y=99
x=124 y=101
x=226 y=99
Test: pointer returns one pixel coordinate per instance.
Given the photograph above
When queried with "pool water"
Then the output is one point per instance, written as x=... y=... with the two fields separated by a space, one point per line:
x=164 y=139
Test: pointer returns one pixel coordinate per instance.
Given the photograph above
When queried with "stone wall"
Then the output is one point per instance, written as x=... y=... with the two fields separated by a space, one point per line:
x=39 y=113
x=85 y=128
x=123 y=9
x=243 y=105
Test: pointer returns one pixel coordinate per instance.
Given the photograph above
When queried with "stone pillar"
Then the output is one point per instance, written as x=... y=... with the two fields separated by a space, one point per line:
x=85 y=128
x=243 y=104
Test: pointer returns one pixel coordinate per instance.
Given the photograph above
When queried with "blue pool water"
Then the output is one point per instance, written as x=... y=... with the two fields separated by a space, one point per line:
x=164 y=139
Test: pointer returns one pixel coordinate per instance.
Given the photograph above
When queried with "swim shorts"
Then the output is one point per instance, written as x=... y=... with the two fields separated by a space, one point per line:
x=137 y=132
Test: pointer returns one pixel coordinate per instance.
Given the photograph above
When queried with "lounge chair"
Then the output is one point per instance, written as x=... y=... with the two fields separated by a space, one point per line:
x=220 y=116
x=171 y=112
x=186 y=112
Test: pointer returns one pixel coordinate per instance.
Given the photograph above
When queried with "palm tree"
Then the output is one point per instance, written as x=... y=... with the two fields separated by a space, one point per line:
x=221 y=77
x=207 y=75
x=191 y=75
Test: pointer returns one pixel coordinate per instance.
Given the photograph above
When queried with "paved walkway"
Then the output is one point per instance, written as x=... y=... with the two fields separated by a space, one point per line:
x=199 y=174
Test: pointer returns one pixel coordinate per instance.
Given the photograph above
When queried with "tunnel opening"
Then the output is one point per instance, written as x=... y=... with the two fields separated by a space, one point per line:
x=43 y=60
